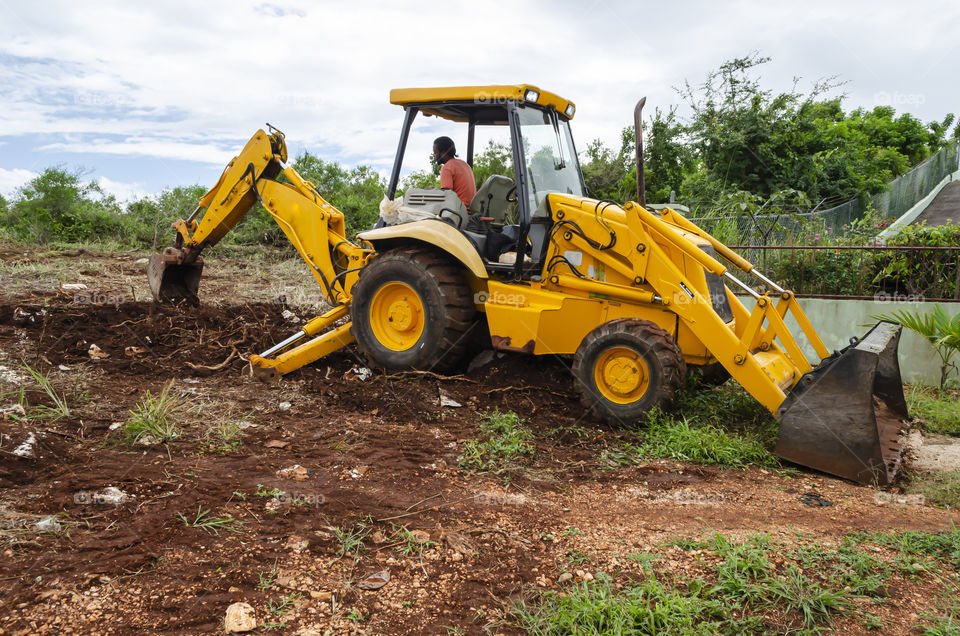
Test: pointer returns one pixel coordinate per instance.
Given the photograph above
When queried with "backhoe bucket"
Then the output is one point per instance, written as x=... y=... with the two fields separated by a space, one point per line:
x=844 y=417
x=173 y=281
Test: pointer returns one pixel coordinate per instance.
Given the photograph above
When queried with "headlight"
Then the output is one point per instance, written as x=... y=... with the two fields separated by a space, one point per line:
x=531 y=95
x=568 y=111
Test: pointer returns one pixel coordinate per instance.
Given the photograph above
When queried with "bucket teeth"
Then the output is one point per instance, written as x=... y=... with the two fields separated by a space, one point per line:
x=845 y=417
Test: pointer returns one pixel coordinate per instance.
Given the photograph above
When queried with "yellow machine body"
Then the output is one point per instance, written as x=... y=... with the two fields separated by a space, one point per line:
x=609 y=271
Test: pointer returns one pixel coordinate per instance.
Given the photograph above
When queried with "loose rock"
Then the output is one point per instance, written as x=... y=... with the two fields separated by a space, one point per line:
x=240 y=617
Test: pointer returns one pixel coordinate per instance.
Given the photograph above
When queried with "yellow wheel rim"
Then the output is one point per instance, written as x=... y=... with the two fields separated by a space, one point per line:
x=621 y=375
x=396 y=316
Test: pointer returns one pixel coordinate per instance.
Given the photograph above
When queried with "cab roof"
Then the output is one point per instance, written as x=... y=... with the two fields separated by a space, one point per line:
x=456 y=103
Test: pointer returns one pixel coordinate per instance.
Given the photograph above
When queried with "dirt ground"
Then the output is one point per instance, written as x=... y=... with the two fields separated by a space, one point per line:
x=366 y=453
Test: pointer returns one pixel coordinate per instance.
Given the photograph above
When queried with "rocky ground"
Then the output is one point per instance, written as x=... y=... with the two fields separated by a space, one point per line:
x=334 y=500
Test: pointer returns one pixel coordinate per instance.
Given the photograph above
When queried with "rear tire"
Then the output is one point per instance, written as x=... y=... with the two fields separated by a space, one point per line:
x=626 y=367
x=412 y=309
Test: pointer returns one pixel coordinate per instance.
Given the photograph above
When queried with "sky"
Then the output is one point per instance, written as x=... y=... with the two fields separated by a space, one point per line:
x=142 y=97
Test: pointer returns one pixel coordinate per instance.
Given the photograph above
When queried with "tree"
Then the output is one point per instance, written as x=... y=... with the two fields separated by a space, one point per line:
x=748 y=138
x=939 y=130
x=496 y=158
x=665 y=157
x=356 y=193
x=152 y=217
x=57 y=206
x=606 y=175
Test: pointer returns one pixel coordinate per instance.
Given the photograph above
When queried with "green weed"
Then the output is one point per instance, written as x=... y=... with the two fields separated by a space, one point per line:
x=204 y=521
x=153 y=417
x=937 y=545
x=284 y=605
x=356 y=616
x=59 y=408
x=684 y=440
x=410 y=545
x=728 y=407
x=938 y=489
x=225 y=435
x=507 y=439
x=796 y=592
x=265 y=580
x=263 y=491
x=741 y=591
x=945 y=621
x=598 y=608
x=938 y=410
x=351 y=537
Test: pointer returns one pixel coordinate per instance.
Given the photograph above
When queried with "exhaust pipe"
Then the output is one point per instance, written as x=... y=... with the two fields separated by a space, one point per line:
x=638 y=135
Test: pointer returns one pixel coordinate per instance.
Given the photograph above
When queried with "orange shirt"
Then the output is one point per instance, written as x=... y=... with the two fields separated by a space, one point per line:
x=456 y=175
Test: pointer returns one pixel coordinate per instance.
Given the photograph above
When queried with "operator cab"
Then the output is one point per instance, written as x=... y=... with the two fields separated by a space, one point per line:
x=509 y=215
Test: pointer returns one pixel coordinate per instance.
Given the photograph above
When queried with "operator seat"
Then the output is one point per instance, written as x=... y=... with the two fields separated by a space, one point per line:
x=491 y=198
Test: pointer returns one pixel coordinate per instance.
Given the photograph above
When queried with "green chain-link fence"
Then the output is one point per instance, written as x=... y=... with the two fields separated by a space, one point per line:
x=902 y=194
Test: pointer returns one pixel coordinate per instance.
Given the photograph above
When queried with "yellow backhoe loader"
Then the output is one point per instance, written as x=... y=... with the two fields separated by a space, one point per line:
x=634 y=295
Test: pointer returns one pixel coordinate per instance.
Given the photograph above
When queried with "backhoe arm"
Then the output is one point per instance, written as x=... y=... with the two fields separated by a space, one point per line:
x=314 y=227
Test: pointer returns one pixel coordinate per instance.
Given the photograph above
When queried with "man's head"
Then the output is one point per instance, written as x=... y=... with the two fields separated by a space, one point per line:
x=443 y=150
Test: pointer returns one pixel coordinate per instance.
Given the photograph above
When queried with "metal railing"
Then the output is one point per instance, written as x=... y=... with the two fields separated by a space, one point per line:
x=876 y=272
x=900 y=195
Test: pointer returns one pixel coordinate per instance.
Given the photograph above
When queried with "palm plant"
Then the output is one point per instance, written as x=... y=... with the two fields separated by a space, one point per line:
x=940 y=329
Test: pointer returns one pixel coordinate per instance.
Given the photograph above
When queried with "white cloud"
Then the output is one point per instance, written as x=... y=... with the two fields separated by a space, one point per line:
x=124 y=192
x=159 y=148
x=10 y=180
x=176 y=80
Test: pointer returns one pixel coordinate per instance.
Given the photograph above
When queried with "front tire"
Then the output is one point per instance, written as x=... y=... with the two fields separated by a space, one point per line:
x=626 y=367
x=412 y=309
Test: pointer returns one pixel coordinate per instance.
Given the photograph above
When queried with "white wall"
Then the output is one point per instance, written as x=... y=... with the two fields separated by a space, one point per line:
x=836 y=321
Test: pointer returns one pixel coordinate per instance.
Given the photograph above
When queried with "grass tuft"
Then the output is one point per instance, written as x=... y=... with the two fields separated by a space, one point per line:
x=208 y=523
x=796 y=592
x=59 y=408
x=409 y=544
x=938 y=489
x=351 y=538
x=507 y=439
x=684 y=440
x=938 y=410
x=225 y=435
x=153 y=417
x=597 y=608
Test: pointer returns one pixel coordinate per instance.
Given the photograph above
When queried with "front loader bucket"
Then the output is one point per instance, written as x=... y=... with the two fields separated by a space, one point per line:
x=844 y=417
x=172 y=281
